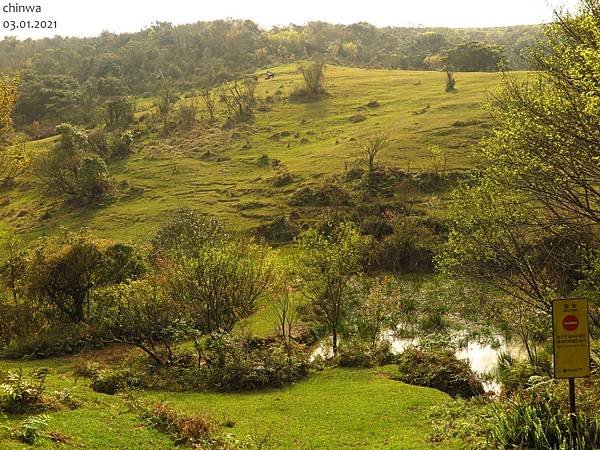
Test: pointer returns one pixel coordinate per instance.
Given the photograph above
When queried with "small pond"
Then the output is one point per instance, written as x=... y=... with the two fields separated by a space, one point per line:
x=482 y=356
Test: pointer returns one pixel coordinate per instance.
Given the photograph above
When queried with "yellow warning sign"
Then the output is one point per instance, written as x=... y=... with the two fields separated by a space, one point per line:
x=571 y=338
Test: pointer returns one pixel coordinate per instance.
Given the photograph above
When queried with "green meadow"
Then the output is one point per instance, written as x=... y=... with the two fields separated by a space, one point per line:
x=217 y=170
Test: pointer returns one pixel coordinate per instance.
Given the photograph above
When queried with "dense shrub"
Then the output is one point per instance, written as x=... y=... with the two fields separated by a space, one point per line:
x=328 y=194
x=141 y=314
x=235 y=364
x=186 y=115
x=353 y=173
x=22 y=394
x=99 y=143
x=536 y=419
x=430 y=182
x=282 y=179
x=263 y=161
x=375 y=226
x=359 y=353
x=119 y=113
x=69 y=168
x=111 y=381
x=313 y=74
x=17 y=320
x=378 y=181
x=59 y=339
x=279 y=231
x=408 y=249
x=223 y=363
x=355 y=118
x=439 y=370
x=30 y=429
x=94 y=182
x=120 y=144
x=436 y=225
x=71 y=136
x=122 y=263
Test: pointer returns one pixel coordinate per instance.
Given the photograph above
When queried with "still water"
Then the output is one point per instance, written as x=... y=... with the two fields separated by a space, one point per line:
x=481 y=356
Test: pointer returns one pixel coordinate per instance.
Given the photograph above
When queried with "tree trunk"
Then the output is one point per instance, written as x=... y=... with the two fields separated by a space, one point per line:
x=374 y=340
x=77 y=314
x=335 y=341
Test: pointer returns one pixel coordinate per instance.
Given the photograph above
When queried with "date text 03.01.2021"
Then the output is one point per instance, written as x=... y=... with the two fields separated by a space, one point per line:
x=12 y=25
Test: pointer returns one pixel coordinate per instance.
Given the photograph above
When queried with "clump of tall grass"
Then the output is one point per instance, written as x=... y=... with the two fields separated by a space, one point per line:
x=537 y=420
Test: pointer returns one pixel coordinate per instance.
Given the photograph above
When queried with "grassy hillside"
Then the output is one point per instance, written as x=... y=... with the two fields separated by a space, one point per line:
x=217 y=170
x=366 y=408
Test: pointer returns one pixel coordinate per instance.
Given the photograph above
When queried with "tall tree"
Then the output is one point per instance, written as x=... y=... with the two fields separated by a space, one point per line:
x=546 y=140
x=62 y=271
x=529 y=221
x=218 y=276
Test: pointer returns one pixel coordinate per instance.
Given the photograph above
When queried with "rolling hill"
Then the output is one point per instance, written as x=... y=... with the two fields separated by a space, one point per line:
x=230 y=172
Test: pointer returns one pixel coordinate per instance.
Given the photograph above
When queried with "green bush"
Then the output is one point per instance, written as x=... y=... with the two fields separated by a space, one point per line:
x=226 y=364
x=278 y=231
x=376 y=226
x=439 y=370
x=359 y=353
x=60 y=339
x=328 y=194
x=263 y=161
x=99 y=143
x=409 y=249
x=119 y=113
x=282 y=179
x=111 y=381
x=93 y=177
x=235 y=364
x=186 y=115
x=66 y=398
x=378 y=181
x=120 y=144
x=25 y=394
x=537 y=420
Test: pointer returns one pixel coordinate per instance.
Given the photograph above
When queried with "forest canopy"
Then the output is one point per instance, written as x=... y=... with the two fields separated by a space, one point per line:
x=62 y=74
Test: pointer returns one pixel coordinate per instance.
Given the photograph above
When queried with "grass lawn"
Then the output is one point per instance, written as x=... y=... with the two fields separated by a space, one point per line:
x=333 y=409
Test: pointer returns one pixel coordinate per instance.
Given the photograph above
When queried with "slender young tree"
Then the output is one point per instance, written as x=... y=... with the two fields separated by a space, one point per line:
x=373 y=145
x=327 y=265
x=313 y=74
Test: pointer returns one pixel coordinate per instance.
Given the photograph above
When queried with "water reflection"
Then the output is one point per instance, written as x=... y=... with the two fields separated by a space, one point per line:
x=482 y=356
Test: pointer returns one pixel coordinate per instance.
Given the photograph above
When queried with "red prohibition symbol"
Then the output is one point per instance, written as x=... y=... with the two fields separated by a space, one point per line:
x=570 y=323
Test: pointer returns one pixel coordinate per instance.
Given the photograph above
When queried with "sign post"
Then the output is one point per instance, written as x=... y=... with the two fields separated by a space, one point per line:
x=570 y=331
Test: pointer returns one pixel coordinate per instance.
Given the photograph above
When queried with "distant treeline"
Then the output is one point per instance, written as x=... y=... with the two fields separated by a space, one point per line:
x=59 y=74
